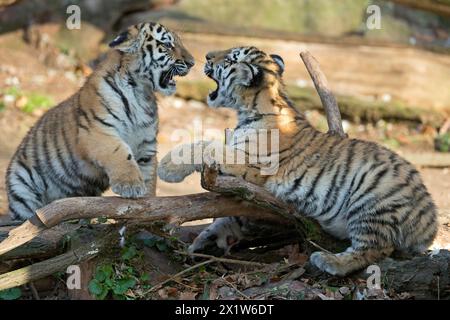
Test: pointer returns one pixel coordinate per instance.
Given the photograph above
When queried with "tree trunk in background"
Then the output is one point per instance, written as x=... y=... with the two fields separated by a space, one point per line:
x=440 y=7
x=102 y=13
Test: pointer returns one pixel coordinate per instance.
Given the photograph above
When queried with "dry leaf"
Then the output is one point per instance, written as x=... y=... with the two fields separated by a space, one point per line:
x=187 y=295
x=171 y=291
x=163 y=293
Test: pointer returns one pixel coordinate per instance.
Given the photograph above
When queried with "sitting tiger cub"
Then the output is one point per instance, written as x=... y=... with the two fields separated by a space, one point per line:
x=355 y=189
x=105 y=134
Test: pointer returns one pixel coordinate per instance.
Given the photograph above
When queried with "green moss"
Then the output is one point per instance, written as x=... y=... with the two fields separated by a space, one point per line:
x=442 y=142
x=83 y=42
x=34 y=100
x=392 y=30
x=37 y=101
x=303 y=16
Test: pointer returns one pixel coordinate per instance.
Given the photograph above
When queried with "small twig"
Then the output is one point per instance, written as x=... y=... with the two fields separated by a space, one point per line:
x=318 y=247
x=224 y=260
x=235 y=288
x=34 y=291
x=159 y=285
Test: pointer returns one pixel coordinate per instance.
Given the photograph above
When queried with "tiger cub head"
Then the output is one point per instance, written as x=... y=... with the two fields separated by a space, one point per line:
x=155 y=54
x=240 y=72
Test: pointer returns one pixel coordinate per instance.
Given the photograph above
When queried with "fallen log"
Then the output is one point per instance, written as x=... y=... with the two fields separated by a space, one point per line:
x=50 y=243
x=173 y=210
x=439 y=7
x=84 y=252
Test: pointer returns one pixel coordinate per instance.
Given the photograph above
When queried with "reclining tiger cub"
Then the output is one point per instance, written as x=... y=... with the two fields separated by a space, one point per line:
x=355 y=189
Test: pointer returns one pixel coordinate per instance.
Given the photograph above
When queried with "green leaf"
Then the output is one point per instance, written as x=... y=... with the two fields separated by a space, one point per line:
x=95 y=287
x=100 y=276
x=123 y=285
x=103 y=272
x=103 y=295
x=10 y=294
x=150 y=242
x=129 y=253
x=145 y=277
x=102 y=220
x=108 y=270
x=162 y=246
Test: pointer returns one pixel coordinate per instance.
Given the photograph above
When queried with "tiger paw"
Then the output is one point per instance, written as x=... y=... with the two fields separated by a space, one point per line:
x=327 y=262
x=129 y=188
x=172 y=172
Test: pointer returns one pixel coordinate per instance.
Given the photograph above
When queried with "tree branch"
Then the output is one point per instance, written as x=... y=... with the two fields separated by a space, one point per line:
x=326 y=96
x=174 y=210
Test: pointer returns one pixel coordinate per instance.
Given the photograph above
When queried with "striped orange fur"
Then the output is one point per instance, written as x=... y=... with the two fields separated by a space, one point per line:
x=105 y=134
x=355 y=189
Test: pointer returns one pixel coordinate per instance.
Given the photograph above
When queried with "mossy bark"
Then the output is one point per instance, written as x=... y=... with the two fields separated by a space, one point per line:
x=351 y=108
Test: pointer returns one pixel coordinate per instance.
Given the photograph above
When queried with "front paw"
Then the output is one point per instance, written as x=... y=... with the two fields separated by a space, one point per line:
x=129 y=188
x=326 y=262
x=171 y=172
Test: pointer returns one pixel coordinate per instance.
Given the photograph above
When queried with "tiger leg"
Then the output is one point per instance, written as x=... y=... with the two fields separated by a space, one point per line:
x=25 y=189
x=219 y=237
x=351 y=260
x=148 y=170
x=249 y=172
x=181 y=161
x=22 y=206
x=117 y=159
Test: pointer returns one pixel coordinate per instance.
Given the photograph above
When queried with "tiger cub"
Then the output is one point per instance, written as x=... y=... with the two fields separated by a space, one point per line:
x=105 y=134
x=355 y=189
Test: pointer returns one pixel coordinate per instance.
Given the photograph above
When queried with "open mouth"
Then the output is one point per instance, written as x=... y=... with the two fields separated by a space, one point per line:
x=213 y=94
x=166 y=80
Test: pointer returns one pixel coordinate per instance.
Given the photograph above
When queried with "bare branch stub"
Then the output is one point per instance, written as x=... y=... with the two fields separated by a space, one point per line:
x=326 y=96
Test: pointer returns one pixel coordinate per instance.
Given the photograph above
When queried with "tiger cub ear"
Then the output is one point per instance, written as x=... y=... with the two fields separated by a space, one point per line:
x=249 y=75
x=128 y=41
x=279 y=61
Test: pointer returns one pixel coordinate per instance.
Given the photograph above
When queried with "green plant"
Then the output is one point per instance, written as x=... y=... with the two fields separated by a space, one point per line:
x=118 y=279
x=33 y=100
x=442 y=142
x=36 y=101
x=10 y=294
x=157 y=242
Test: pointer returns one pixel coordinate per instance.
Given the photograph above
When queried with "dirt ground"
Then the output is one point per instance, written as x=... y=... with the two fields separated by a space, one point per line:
x=389 y=73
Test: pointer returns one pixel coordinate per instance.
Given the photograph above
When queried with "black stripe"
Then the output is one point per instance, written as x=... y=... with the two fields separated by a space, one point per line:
x=79 y=113
x=103 y=122
x=24 y=166
x=122 y=97
x=52 y=173
x=13 y=213
x=107 y=108
x=19 y=199
x=314 y=183
x=373 y=185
